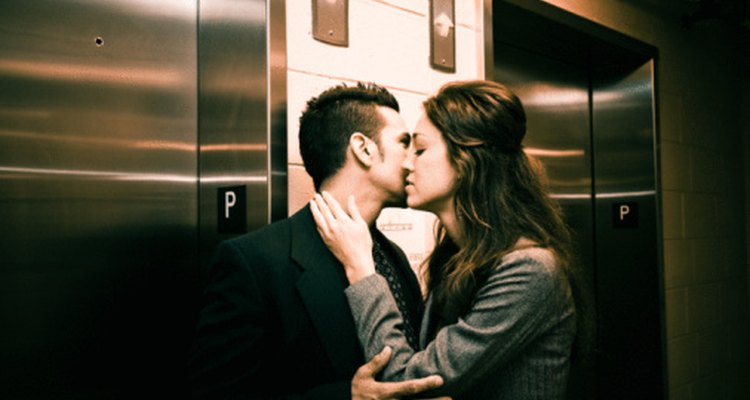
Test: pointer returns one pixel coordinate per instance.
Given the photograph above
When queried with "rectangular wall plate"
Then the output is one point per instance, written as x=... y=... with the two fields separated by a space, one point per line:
x=331 y=21
x=443 y=35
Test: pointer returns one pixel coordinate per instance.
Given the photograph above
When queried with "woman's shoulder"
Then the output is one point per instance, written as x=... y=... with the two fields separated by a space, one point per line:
x=534 y=254
x=534 y=268
x=539 y=262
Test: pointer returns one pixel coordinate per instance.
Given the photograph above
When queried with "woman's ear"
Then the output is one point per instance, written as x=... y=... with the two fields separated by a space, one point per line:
x=360 y=144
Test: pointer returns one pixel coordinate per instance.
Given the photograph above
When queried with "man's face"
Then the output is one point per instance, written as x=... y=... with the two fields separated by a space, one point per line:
x=391 y=151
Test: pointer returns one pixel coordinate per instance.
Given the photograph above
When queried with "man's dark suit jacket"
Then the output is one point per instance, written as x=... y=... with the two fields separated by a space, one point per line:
x=274 y=310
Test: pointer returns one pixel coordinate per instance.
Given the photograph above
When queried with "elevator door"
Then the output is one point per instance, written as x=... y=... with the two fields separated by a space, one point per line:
x=589 y=102
x=120 y=122
x=98 y=202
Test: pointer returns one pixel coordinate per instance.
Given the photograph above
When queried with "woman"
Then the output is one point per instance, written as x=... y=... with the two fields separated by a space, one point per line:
x=501 y=312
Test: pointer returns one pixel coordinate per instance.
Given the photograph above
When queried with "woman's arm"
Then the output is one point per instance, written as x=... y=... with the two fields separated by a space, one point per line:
x=520 y=300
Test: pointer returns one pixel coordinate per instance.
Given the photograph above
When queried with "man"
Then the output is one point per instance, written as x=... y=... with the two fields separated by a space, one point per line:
x=275 y=321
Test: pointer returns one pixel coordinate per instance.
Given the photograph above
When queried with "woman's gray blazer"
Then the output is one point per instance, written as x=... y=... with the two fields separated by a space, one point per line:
x=514 y=343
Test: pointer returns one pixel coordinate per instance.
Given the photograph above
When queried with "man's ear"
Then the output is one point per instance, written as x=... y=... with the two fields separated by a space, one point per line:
x=361 y=147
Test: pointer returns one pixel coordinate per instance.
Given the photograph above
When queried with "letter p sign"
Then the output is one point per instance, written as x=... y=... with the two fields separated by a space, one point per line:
x=625 y=215
x=232 y=214
x=624 y=210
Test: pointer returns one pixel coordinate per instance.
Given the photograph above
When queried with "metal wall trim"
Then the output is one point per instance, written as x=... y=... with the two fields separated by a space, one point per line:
x=277 y=112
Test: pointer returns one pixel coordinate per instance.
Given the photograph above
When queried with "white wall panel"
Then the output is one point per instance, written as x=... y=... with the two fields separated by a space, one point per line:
x=389 y=45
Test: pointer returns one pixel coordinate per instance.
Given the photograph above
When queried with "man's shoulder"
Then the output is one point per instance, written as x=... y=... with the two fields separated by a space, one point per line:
x=256 y=250
x=269 y=236
x=277 y=228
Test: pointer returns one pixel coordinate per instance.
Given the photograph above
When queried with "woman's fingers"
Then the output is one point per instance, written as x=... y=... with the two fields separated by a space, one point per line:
x=332 y=210
x=354 y=210
x=334 y=206
x=325 y=210
x=333 y=221
x=320 y=219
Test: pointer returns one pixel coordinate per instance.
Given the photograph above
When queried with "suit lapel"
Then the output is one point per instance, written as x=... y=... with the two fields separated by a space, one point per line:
x=321 y=287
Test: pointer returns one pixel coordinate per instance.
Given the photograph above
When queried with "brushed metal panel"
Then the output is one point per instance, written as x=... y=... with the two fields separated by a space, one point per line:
x=234 y=111
x=555 y=97
x=277 y=115
x=630 y=315
x=98 y=197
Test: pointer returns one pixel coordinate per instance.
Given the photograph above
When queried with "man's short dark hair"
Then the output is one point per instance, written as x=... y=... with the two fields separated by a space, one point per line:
x=332 y=117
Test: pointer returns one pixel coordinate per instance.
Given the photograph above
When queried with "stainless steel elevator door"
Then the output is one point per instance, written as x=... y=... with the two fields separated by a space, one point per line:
x=627 y=237
x=98 y=195
x=588 y=93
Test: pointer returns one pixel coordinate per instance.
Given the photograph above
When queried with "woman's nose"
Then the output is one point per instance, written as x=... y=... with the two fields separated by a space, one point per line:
x=408 y=163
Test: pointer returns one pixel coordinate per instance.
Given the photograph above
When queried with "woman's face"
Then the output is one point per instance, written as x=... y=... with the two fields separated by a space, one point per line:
x=430 y=183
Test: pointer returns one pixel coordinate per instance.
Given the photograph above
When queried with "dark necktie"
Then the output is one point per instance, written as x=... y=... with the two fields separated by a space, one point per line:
x=384 y=266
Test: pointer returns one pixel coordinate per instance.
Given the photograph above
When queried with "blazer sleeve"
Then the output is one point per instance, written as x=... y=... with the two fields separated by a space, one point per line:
x=510 y=310
x=232 y=341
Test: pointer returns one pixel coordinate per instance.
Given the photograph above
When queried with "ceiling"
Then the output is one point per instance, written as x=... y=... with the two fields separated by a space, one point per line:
x=695 y=14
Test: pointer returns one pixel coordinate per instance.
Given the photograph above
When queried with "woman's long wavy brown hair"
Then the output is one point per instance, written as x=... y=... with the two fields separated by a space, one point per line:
x=500 y=195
